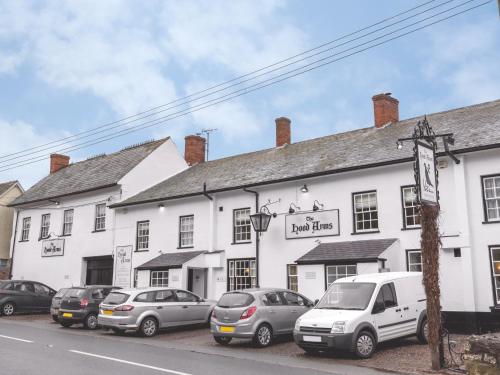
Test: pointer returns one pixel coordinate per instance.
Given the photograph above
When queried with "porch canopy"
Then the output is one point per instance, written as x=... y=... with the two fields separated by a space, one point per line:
x=170 y=260
x=347 y=251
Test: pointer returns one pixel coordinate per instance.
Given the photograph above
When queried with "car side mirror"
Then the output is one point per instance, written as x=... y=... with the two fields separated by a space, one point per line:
x=378 y=307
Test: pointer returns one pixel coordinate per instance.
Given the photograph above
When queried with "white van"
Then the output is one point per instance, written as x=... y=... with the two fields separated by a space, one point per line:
x=358 y=312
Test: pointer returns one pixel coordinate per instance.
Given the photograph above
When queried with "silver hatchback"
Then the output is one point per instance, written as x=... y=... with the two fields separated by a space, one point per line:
x=258 y=314
x=150 y=309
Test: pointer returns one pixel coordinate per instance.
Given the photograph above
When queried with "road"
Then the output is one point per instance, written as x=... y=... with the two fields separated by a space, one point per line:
x=31 y=349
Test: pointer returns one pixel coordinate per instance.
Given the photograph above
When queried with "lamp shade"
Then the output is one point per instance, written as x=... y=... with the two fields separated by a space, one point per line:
x=260 y=221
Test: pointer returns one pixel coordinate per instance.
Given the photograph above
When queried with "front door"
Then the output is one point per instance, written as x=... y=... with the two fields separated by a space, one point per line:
x=99 y=271
x=197 y=281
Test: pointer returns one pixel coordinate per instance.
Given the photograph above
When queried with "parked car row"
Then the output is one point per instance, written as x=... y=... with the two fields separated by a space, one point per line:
x=355 y=313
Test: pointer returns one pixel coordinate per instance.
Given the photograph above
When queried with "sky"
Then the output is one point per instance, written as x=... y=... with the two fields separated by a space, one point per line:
x=67 y=67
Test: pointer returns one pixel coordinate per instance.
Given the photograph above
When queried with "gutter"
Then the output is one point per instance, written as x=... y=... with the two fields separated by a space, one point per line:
x=257 y=237
x=13 y=247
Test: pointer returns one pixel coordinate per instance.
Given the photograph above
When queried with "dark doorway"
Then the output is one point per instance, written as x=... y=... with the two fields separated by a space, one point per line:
x=99 y=271
x=190 y=279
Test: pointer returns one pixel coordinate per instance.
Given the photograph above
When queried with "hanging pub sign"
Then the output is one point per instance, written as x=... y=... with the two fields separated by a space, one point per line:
x=312 y=224
x=123 y=266
x=426 y=166
x=53 y=247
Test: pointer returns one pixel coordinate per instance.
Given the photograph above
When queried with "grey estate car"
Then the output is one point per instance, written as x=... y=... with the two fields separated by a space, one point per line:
x=258 y=314
x=148 y=310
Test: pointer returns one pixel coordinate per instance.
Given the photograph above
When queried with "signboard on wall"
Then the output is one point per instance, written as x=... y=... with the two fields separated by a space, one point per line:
x=427 y=173
x=53 y=247
x=123 y=266
x=312 y=224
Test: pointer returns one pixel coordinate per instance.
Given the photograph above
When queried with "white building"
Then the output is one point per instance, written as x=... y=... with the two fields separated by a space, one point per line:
x=354 y=212
x=65 y=232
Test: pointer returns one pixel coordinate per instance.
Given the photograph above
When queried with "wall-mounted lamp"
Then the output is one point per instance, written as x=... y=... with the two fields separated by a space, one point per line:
x=317 y=206
x=304 y=189
x=161 y=206
x=293 y=208
x=399 y=145
x=57 y=203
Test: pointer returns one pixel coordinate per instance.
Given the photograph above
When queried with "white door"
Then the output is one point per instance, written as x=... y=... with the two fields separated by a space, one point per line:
x=388 y=315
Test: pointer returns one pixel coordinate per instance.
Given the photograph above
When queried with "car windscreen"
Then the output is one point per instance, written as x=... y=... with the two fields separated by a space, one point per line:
x=347 y=296
x=3 y=284
x=75 y=292
x=235 y=300
x=60 y=293
x=115 y=298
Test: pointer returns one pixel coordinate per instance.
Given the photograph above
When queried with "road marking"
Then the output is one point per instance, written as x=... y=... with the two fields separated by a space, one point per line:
x=131 y=363
x=15 y=338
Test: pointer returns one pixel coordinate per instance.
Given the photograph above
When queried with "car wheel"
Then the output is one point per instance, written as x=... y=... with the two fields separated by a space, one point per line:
x=65 y=324
x=90 y=321
x=55 y=318
x=263 y=336
x=423 y=332
x=8 y=309
x=223 y=340
x=365 y=345
x=149 y=327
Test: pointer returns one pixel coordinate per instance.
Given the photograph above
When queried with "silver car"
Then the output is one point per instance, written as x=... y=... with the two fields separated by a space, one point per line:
x=258 y=314
x=148 y=310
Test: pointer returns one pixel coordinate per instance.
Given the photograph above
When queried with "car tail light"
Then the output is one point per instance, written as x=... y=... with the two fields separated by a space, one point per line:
x=84 y=302
x=248 y=312
x=124 y=308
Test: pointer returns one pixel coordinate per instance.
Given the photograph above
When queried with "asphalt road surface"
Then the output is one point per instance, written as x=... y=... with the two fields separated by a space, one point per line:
x=29 y=349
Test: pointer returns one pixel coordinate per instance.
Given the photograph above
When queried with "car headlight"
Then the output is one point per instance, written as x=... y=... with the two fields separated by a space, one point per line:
x=297 y=324
x=338 y=327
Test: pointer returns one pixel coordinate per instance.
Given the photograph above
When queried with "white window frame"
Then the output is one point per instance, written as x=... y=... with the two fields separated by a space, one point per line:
x=45 y=226
x=413 y=207
x=25 y=233
x=339 y=271
x=242 y=227
x=411 y=264
x=292 y=278
x=241 y=274
x=100 y=217
x=186 y=231
x=68 y=222
x=495 y=272
x=491 y=198
x=159 y=278
x=361 y=205
x=142 y=236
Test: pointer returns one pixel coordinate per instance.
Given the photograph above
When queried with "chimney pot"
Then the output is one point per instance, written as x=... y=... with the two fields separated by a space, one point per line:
x=57 y=162
x=194 y=149
x=385 y=109
x=283 y=135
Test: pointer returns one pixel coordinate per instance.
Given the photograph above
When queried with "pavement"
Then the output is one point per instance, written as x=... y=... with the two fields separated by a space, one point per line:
x=35 y=345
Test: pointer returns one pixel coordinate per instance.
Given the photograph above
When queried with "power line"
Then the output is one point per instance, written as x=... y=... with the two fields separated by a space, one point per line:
x=260 y=85
x=223 y=83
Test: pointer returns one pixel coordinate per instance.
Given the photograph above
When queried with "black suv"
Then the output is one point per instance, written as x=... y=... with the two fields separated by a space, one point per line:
x=81 y=305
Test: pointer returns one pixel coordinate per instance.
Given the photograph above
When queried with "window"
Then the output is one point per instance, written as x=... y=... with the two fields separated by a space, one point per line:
x=241 y=274
x=414 y=260
x=411 y=209
x=100 y=217
x=186 y=228
x=294 y=299
x=164 y=296
x=365 y=212
x=68 y=222
x=41 y=289
x=27 y=287
x=159 y=278
x=336 y=272
x=387 y=296
x=241 y=225
x=183 y=296
x=145 y=297
x=491 y=197
x=272 y=299
x=44 y=229
x=495 y=272
x=292 y=277
x=26 y=229
x=142 y=241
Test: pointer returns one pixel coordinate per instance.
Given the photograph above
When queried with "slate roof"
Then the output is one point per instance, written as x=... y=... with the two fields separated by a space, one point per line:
x=346 y=251
x=170 y=260
x=475 y=127
x=87 y=175
x=4 y=186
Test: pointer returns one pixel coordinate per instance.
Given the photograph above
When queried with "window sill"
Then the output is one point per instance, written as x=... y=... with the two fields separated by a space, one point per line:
x=492 y=222
x=141 y=251
x=185 y=247
x=24 y=241
x=367 y=232
x=43 y=238
x=65 y=235
x=241 y=243
x=412 y=228
x=98 y=230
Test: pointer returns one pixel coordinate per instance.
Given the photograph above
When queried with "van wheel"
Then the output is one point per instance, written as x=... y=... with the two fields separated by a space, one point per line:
x=8 y=309
x=223 y=340
x=90 y=322
x=423 y=332
x=149 y=327
x=263 y=336
x=365 y=345
x=65 y=324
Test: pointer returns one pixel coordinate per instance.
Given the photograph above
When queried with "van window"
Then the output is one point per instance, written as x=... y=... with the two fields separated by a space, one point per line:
x=347 y=296
x=235 y=299
x=388 y=293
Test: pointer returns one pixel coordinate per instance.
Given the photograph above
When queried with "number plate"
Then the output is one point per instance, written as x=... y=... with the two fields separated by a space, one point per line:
x=107 y=312
x=67 y=315
x=312 y=338
x=226 y=329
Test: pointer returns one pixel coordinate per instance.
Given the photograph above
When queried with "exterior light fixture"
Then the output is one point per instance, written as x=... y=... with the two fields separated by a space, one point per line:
x=317 y=206
x=260 y=220
x=57 y=203
x=293 y=208
x=304 y=189
x=399 y=145
x=161 y=206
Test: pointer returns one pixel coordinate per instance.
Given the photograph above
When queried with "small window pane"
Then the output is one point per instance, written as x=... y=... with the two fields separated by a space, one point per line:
x=241 y=225
x=142 y=239
x=186 y=231
x=491 y=196
x=365 y=212
x=100 y=217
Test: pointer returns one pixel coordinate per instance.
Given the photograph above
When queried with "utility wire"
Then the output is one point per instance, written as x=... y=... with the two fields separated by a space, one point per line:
x=224 y=83
x=296 y=72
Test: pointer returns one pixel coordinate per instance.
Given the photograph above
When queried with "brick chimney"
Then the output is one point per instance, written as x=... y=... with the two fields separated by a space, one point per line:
x=58 y=161
x=283 y=135
x=385 y=109
x=194 y=151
